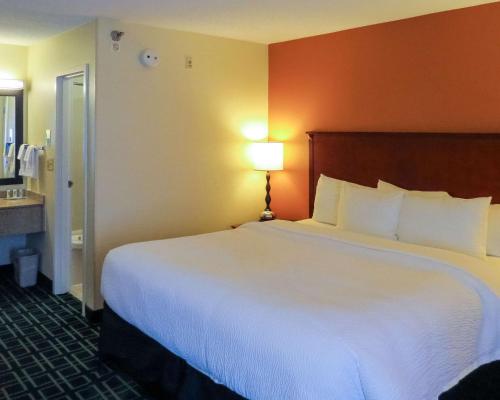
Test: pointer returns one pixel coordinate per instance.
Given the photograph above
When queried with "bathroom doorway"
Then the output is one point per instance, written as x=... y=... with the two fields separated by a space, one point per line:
x=73 y=118
x=72 y=263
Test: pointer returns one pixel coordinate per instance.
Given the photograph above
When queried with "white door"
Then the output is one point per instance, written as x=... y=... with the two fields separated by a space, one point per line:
x=71 y=261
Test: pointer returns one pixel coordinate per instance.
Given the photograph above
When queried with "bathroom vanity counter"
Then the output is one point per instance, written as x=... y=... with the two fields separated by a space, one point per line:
x=27 y=202
x=22 y=216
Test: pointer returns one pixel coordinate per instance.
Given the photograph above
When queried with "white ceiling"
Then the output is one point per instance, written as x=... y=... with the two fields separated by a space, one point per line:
x=266 y=21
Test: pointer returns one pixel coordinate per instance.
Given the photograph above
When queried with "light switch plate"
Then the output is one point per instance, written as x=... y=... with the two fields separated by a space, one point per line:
x=50 y=164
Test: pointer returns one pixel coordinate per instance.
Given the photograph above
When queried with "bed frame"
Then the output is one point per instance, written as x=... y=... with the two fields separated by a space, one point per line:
x=465 y=165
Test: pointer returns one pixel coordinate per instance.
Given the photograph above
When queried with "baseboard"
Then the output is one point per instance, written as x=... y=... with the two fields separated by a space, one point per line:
x=45 y=282
x=7 y=269
x=42 y=280
x=93 y=316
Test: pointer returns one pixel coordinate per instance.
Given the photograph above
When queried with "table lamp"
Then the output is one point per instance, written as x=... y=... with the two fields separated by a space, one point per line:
x=268 y=156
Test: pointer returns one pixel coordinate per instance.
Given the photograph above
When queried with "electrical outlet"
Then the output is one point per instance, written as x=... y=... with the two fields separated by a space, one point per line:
x=50 y=164
x=188 y=62
x=115 y=47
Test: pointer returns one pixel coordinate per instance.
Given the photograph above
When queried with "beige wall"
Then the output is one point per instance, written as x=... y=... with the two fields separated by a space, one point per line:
x=13 y=62
x=170 y=156
x=46 y=60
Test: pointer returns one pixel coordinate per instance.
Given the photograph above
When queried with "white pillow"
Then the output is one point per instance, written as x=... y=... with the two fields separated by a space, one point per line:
x=447 y=222
x=326 y=202
x=493 y=244
x=368 y=210
x=389 y=187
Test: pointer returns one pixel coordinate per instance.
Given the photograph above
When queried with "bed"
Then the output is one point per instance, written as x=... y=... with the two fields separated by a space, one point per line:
x=283 y=310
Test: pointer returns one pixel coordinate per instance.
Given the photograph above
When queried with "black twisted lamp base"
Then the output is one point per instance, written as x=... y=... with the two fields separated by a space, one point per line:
x=267 y=214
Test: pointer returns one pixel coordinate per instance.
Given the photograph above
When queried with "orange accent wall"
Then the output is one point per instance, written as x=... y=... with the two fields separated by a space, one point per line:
x=439 y=72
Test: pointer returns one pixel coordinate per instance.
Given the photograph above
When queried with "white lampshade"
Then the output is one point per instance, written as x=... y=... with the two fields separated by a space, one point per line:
x=267 y=156
x=11 y=84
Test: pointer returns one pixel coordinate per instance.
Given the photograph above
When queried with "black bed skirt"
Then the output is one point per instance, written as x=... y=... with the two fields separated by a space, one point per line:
x=162 y=373
x=166 y=376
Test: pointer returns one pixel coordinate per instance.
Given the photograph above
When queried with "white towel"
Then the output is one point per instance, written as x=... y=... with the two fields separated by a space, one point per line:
x=31 y=162
x=20 y=157
x=11 y=159
x=11 y=153
x=22 y=150
x=27 y=155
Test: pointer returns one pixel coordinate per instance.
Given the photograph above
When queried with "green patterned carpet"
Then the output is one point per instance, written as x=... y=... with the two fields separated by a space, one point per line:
x=48 y=351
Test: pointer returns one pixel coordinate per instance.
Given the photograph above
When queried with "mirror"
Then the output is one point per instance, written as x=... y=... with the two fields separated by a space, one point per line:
x=11 y=135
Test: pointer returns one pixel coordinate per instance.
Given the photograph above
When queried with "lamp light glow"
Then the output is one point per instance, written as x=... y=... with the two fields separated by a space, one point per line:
x=267 y=156
x=11 y=84
x=255 y=130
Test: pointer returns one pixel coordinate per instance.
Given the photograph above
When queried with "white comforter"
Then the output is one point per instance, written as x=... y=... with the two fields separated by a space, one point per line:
x=279 y=310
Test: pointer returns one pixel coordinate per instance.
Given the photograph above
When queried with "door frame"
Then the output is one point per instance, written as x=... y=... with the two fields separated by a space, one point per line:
x=62 y=231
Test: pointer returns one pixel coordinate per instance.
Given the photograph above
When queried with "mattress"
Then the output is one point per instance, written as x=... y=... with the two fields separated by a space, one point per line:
x=298 y=311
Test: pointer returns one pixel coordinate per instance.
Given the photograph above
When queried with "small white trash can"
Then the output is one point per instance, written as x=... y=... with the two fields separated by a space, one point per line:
x=26 y=267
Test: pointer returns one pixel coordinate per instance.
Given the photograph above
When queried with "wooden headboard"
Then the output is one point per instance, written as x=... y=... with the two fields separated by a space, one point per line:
x=465 y=165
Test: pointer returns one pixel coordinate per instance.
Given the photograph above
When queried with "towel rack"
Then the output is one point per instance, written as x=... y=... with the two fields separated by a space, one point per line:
x=39 y=148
